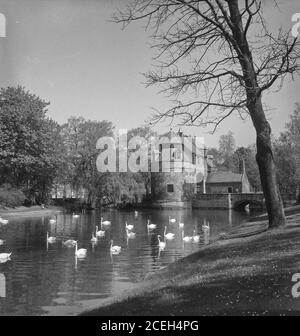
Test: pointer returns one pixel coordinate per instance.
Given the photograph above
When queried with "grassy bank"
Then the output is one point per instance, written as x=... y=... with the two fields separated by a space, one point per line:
x=33 y=211
x=235 y=275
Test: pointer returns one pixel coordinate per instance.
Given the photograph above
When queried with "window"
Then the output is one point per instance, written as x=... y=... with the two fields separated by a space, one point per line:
x=170 y=187
x=230 y=190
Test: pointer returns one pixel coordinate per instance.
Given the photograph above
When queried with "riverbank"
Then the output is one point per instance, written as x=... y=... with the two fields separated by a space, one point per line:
x=33 y=211
x=240 y=274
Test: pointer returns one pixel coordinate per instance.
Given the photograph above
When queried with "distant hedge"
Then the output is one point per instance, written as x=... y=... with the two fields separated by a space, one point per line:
x=11 y=197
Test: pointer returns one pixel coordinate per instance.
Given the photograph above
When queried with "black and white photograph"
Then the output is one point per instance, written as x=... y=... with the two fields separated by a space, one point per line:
x=149 y=160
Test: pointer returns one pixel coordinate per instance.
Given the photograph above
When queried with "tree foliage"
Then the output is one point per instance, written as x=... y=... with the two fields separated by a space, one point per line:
x=28 y=143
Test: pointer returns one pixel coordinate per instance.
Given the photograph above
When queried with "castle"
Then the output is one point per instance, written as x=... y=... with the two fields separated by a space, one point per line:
x=179 y=173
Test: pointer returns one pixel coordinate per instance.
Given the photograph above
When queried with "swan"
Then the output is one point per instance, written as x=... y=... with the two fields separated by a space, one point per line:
x=100 y=233
x=172 y=220
x=205 y=227
x=168 y=235
x=196 y=238
x=50 y=239
x=105 y=222
x=130 y=235
x=115 y=248
x=4 y=257
x=181 y=224
x=70 y=243
x=52 y=221
x=1 y=241
x=75 y=216
x=186 y=239
x=129 y=227
x=3 y=221
x=151 y=226
x=161 y=244
x=136 y=213
x=93 y=239
x=81 y=253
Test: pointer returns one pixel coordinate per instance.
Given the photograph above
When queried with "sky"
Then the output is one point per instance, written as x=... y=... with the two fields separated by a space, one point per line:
x=69 y=53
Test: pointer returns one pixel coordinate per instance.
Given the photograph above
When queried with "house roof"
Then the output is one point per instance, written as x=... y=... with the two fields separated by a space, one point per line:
x=223 y=177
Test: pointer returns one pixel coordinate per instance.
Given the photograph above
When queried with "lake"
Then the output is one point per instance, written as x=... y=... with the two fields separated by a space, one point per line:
x=47 y=279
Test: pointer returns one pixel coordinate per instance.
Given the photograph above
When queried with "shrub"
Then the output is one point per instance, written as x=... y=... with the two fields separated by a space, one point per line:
x=11 y=197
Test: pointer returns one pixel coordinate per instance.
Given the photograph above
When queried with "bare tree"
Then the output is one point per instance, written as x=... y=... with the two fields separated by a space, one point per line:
x=217 y=58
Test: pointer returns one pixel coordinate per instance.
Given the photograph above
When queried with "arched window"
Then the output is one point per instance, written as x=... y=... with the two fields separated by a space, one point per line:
x=2 y=25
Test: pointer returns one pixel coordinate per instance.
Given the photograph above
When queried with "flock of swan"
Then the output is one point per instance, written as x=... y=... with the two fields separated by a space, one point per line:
x=115 y=249
x=195 y=238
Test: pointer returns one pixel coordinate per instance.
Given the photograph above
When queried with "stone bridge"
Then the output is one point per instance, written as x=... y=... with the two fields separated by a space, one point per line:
x=254 y=200
x=229 y=201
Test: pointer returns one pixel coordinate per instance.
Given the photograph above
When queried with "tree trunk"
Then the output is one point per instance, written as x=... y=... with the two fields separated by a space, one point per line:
x=298 y=195
x=264 y=156
x=266 y=164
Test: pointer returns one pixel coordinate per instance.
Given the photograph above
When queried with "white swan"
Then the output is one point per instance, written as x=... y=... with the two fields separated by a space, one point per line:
x=196 y=238
x=205 y=227
x=1 y=241
x=52 y=221
x=106 y=222
x=81 y=253
x=130 y=235
x=70 y=243
x=136 y=213
x=114 y=248
x=186 y=239
x=3 y=221
x=100 y=233
x=75 y=216
x=50 y=239
x=4 y=257
x=168 y=235
x=161 y=244
x=93 y=239
x=181 y=224
x=151 y=226
x=129 y=227
x=172 y=220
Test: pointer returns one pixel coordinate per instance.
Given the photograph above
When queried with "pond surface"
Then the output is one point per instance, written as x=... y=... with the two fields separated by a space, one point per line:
x=47 y=279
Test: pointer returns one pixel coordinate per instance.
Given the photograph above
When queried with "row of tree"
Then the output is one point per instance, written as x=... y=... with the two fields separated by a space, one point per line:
x=37 y=154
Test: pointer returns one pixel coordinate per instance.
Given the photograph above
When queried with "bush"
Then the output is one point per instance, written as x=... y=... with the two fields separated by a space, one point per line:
x=11 y=197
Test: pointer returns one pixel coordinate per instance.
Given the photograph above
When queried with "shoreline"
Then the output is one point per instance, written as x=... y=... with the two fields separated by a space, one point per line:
x=33 y=211
x=246 y=272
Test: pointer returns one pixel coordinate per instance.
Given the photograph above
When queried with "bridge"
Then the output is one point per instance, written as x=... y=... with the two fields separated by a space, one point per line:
x=236 y=201
x=254 y=200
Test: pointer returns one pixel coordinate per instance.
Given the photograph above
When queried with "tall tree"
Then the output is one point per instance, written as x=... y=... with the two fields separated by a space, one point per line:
x=78 y=170
x=218 y=58
x=28 y=143
x=226 y=149
x=287 y=153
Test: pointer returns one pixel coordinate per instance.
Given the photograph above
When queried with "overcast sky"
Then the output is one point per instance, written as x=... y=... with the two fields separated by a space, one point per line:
x=68 y=53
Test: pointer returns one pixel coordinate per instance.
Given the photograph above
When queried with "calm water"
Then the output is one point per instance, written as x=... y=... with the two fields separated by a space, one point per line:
x=49 y=280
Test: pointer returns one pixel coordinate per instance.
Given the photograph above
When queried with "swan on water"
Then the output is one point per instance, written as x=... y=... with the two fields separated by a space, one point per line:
x=196 y=238
x=100 y=233
x=114 y=248
x=168 y=235
x=172 y=220
x=129 y=227
x=50 y=239
x=161 y=244
x=80 y=253
x=186 y=239
x=151 y=226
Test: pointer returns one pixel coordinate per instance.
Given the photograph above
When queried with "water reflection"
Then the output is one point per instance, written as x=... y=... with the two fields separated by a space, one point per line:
x=44 y=278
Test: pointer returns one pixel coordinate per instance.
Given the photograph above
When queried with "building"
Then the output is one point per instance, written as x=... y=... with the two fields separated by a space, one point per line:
x=176 y=162
x=223 y=182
